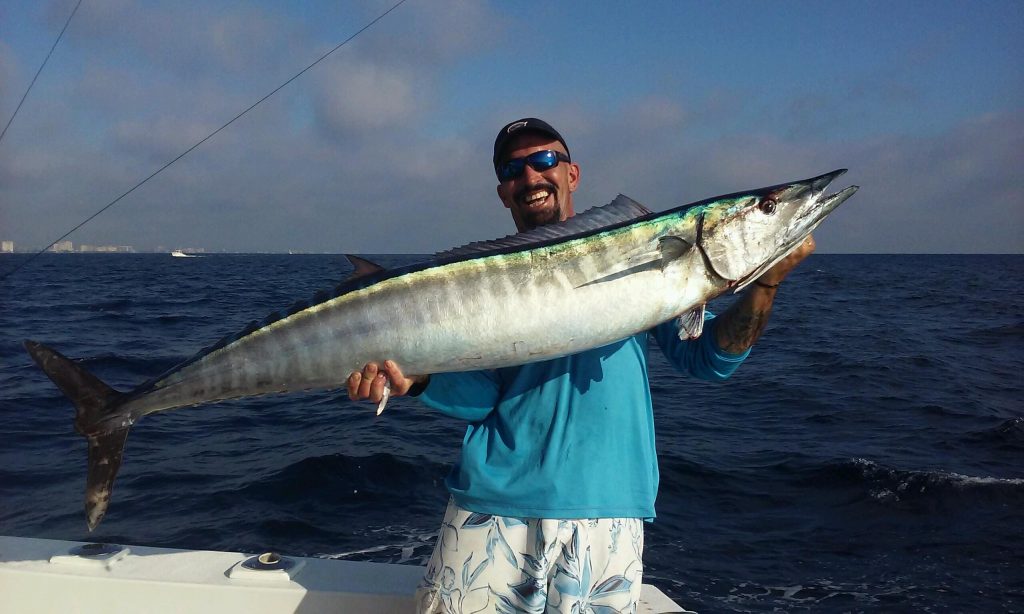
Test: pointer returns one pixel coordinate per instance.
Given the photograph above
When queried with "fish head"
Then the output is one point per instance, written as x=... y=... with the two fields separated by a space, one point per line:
x=744 y=234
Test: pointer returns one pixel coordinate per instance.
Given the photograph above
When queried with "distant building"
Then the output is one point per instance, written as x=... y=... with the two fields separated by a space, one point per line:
x=107 y=249
x=62 y=246
x=6 y=247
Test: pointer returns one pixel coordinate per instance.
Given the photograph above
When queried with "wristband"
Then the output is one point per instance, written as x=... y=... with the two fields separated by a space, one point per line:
x=417 y=389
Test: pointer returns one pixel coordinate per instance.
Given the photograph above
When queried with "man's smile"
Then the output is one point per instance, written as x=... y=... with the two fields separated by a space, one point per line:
x=535 y=196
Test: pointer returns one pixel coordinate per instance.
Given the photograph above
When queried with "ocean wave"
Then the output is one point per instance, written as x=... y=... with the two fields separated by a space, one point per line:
x=404 y=545
x=1007 y=435
x=895 y=486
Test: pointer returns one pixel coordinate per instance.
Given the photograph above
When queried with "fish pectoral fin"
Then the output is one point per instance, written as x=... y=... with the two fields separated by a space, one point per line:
x=672 y=248
x=667 y=249
x=650 y=256
x=691 y=323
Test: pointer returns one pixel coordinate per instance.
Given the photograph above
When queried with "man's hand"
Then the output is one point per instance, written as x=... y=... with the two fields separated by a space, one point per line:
x=742 y=324
x=777 y=273
x=369 y=384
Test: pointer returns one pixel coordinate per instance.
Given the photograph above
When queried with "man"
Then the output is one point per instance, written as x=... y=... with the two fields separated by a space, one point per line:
x=558 y=468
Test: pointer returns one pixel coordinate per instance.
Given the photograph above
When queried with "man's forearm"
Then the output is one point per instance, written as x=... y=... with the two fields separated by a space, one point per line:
x=742 y=324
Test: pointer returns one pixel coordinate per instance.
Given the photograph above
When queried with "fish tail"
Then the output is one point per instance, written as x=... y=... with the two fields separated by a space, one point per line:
x=97 y=416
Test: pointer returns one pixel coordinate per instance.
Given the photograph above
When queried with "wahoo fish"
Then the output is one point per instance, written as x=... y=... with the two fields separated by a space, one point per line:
x=598 y=277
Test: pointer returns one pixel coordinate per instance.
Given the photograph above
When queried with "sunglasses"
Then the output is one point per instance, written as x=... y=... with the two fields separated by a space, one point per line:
x=539 y=161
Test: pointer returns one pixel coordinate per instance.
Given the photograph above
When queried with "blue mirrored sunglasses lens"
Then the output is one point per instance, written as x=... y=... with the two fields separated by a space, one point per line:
x=539 y=161
x=511 y=169
x=542 y=160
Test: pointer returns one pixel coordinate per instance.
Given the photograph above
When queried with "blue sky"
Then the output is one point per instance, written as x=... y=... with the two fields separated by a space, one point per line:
x=385 y=146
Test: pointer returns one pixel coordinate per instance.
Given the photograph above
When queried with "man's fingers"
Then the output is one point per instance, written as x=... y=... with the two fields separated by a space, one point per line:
x=807 y=246
x=353 y=385
x=369 y=374
x=377 y=387
x=393 y=371
x=799 y=254
x=399 y=384
x=369 y=384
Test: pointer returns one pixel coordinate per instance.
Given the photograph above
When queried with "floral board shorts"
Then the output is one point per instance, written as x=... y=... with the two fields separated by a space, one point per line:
x=485 y=563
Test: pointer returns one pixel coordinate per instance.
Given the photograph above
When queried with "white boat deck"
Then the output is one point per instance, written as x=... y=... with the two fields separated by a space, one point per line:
x=42 y=576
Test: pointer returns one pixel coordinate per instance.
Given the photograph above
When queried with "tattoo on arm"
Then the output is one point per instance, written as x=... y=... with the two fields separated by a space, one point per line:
x=742 y=324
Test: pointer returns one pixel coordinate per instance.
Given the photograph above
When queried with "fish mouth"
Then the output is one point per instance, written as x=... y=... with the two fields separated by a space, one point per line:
x=823 y=205
x=811 y=215
x=819 y=183
x=832 y=201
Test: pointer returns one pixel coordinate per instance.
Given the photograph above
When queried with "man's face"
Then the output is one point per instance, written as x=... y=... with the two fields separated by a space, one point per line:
x=536 y=198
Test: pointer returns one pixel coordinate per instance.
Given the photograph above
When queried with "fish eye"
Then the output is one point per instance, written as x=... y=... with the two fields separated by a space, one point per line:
x=767 y=206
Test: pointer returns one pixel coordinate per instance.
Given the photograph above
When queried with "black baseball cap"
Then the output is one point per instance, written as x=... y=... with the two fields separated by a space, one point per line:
x=529 y=124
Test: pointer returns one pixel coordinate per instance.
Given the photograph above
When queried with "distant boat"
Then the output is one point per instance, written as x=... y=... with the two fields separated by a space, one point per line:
x=180 y=254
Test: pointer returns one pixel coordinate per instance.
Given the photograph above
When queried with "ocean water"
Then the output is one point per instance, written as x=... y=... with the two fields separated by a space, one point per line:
x=868 y=456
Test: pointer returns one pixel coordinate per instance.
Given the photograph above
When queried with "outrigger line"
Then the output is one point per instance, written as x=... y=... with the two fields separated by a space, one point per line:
x=7 y=274
x=38 y=72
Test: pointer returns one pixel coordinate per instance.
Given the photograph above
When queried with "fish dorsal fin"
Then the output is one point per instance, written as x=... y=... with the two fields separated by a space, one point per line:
x=362 y=266
x=622 y=209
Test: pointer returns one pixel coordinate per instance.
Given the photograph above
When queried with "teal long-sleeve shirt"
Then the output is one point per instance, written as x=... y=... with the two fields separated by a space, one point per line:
x=571 y=437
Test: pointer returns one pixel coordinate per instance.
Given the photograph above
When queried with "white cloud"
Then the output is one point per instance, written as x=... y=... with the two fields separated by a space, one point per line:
x=186 y=39
x=361 y=97
x=958 y=192
x=159 y=140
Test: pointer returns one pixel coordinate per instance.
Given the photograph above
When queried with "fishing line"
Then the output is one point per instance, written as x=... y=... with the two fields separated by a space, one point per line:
x=38 y=72
x=206 y=138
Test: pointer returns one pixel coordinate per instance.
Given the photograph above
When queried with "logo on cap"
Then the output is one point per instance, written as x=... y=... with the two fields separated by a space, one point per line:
x=515 y=126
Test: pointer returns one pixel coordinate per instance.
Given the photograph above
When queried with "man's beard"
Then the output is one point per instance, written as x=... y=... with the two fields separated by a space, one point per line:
x=546 y=216
x=541 y=217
